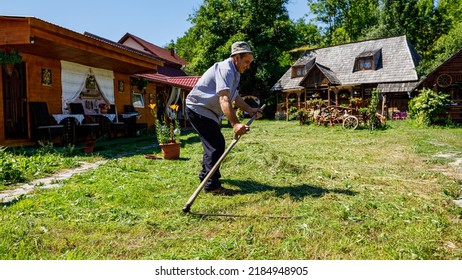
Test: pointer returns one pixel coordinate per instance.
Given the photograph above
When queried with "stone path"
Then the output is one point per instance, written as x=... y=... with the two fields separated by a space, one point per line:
x=453 y=169
x=56 y=179
x=49 y=182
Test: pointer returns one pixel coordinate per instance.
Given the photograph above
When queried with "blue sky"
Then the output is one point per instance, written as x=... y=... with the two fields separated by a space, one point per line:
x=157 y=21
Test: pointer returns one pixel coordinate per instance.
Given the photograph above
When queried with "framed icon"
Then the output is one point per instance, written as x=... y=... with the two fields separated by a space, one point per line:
x=46 y=77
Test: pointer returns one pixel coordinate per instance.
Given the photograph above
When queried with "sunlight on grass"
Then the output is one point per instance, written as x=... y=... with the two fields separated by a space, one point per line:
x=351 y=195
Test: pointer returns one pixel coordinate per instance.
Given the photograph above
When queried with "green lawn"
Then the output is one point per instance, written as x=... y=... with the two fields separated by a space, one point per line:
x=351 y=195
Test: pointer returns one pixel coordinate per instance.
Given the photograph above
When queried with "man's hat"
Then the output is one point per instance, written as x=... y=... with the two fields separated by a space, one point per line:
x=240 y=47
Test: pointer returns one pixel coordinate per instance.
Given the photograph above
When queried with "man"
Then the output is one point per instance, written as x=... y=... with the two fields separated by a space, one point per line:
x=209 y=100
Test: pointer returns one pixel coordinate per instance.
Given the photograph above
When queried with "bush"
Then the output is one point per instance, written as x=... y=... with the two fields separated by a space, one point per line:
x=428 y=108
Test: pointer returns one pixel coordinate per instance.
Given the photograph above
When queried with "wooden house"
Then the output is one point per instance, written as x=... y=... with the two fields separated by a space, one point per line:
x=342 y=73
x=447 y=78
x=171 y=82
x=60 y=66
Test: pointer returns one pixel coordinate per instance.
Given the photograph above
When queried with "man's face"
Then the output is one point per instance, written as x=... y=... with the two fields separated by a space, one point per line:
x=243 y=63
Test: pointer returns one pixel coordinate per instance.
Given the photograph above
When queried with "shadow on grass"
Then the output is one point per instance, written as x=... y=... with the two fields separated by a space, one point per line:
x=295 y=192
x=124 y=147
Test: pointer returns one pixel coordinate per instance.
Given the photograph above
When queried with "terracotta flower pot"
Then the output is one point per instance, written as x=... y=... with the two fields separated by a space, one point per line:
x=170 y=150
x=88 y=149
x=89 y=146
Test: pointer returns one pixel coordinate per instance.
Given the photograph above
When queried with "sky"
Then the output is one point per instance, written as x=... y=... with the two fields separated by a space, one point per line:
x=156 y=21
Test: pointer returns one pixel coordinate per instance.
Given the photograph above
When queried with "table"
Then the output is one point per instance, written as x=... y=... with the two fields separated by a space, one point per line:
x=110 y=117
x=60 y=117
x=69 y=121
x=129 y=115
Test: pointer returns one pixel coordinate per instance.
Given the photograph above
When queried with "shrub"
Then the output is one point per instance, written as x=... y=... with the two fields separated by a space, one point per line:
x=428 y=108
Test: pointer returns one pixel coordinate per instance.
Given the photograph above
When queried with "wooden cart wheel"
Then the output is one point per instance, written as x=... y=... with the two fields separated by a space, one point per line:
x=350 y=122
x=444 y=80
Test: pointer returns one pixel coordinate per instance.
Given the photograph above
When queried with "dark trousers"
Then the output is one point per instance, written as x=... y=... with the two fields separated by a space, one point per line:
x=213 y=143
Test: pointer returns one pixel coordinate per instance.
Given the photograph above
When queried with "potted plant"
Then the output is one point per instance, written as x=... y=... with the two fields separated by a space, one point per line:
x=167 y=132
x=356 y=101
x=9 y=57
x=140 y=83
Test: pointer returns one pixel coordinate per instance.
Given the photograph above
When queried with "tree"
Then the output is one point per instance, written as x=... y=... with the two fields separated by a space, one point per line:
x=447 y=39
x=264 y=24
x=307 y=34
x=344 y=20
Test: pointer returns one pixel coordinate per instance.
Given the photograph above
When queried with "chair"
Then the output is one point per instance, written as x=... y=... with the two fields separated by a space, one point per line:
x=87 y=130
x=133 y=126
x=42 y=128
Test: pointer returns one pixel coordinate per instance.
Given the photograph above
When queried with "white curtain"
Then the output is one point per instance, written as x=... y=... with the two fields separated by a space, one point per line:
x=73 y=77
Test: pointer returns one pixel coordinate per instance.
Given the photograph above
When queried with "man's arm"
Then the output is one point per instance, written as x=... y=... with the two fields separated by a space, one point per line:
x=230 y=113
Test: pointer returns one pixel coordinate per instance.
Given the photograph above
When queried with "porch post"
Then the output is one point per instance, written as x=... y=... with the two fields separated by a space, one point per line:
x=328 y=96
x=298 y=100
x=384 y=99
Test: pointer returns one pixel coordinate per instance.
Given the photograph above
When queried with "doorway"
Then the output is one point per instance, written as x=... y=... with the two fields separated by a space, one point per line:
x=15 y=103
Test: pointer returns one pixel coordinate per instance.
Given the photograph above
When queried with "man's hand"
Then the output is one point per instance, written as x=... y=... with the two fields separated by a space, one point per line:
x=240 y=129
x=254 y=111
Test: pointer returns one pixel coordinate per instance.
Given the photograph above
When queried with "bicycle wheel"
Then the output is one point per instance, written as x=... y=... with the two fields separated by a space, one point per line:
x=350 y=122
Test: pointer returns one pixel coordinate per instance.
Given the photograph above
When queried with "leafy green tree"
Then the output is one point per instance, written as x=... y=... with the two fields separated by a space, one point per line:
x=447 y=39
x=451 y=11
x=264 y=24
x=344 y=20
x=444 y=48
x=307 y=34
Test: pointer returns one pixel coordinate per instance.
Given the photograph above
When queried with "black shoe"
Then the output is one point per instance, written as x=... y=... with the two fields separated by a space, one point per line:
x=219 y=191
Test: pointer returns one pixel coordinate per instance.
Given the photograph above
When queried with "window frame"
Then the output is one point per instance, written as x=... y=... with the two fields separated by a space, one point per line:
x=137 y=100
x=361 y=61
x=298 y=71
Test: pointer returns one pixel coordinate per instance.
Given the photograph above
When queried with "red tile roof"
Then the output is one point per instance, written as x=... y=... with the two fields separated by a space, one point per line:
x=155 y=50
x=187 y=82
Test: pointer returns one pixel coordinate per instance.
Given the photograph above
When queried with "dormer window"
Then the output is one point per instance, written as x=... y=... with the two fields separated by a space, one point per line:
x=368 y=60
x=298 y=71
x=365 y=63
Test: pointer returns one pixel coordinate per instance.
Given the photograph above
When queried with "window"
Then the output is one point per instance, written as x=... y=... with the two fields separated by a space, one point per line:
x=365 y=63
x=368 y=60
x=298 y=71
x=137 y=100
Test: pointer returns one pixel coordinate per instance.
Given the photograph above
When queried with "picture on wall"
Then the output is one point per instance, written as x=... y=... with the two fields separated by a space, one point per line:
x=46 y=77
x=121 y=86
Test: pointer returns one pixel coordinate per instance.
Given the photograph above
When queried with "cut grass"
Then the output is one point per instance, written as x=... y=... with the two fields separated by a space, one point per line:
x=360 y=195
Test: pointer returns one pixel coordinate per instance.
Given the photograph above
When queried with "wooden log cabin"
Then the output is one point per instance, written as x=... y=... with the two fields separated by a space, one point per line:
x=447 y=78
x=337 y=75
x=53 y=59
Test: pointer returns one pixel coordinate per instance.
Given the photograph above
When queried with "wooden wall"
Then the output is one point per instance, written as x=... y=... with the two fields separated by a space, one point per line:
x=51 y=94
x=125 y=97
x=38 y=92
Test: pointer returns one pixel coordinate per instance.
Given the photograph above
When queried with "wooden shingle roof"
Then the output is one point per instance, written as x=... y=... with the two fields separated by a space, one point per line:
x=396 y=63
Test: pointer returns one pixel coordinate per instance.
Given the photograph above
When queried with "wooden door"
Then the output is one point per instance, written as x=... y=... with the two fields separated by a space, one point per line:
x=15 y=103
